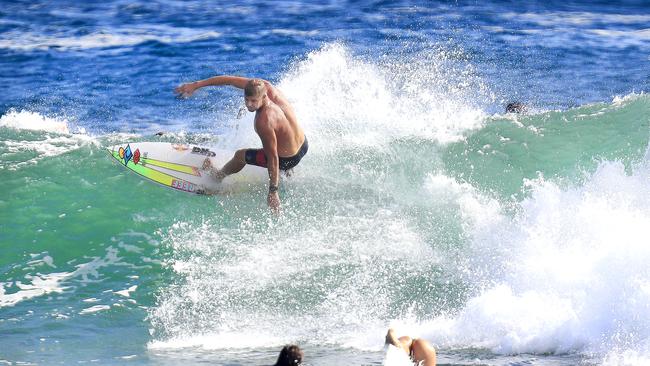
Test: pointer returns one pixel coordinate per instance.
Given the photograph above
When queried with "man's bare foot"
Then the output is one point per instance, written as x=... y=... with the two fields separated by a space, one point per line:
x=391 y=338
x=214 y=172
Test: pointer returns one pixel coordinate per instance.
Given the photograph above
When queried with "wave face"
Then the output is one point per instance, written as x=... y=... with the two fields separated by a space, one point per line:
x=518 y=234
x=501 y=238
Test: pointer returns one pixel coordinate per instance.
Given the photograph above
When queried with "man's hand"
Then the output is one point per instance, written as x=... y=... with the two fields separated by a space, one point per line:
x=185 y=90
x=274 y=202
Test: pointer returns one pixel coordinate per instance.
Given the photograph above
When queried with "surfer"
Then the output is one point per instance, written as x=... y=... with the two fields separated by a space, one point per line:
x=283 y=140
x=420 y=351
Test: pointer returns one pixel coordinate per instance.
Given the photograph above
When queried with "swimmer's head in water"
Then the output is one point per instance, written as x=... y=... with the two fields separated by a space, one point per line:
x=516 y=107
x=254 y=94
x=290 y=355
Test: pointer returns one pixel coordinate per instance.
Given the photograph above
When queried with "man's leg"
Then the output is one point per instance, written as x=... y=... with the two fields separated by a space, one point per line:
x=402 y=342
x=423 y=352
x=235 y=165
x=419 y=349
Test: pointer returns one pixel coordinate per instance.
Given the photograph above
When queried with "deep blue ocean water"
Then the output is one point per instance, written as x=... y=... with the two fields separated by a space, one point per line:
x=503 y=239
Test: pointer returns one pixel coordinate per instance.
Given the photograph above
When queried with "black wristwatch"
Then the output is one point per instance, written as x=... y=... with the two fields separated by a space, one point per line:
x=272 y=188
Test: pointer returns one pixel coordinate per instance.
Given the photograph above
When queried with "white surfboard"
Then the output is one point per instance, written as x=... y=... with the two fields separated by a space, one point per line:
x=179 y=166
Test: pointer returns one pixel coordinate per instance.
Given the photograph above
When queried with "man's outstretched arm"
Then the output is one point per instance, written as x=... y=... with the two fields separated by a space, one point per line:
x=188 y=89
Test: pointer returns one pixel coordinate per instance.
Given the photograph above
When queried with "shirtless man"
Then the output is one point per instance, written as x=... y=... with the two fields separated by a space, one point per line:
x=283 y=140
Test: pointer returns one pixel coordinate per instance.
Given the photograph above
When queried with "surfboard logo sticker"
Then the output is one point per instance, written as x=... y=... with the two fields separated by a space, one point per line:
x=203 y=151
x=126 y=154
x=176 y=167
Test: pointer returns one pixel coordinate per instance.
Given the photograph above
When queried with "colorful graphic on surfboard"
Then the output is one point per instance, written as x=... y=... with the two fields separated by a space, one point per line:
x=178 y=166
x=126 y=155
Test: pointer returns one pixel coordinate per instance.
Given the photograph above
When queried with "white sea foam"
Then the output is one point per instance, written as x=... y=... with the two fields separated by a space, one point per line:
x=94 y=309
x=242 y=281
x=41 y=284
x=26 y=120
x=396 y=357
x=573 y=274
x=44 y=260
x=127 y=292
x=539 y=278
x=351 y=104
x=476 y=210
x=344 y=98
x=619 y=100
x=57 y=137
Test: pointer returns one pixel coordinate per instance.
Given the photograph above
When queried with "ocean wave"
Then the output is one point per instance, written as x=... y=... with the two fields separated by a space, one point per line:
x=354 y=101
x=573 y=275
x=40 y=285
x=563 y=18
x=522 y=270
x=50 y=136
x=36 y=284
x=26 y=41
x=563 y=38
x=316 y=272
x=574 y=30
x=27 y=120
x=294 y=32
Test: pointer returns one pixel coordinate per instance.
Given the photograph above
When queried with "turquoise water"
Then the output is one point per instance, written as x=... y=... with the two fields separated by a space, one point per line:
x=103 y=265
x=503 y=239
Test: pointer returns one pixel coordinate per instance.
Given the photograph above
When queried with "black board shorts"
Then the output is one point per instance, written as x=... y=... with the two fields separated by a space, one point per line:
x=258 y=157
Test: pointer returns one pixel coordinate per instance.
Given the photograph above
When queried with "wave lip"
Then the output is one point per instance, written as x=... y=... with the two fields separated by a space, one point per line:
x=29 y=137
x=26 y=120
x=359 y=101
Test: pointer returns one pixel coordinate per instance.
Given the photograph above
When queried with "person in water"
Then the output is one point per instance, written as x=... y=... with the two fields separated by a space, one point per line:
x=283 y=141
x=290 y=355
x=516 y=107
x=420 y=351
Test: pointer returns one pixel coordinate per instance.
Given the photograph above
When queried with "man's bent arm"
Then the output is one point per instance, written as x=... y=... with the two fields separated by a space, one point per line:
x=236 y=81
x=186 y=90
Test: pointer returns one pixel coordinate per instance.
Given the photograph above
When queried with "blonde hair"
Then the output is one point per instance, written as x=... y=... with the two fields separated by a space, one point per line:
x=254 y=88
